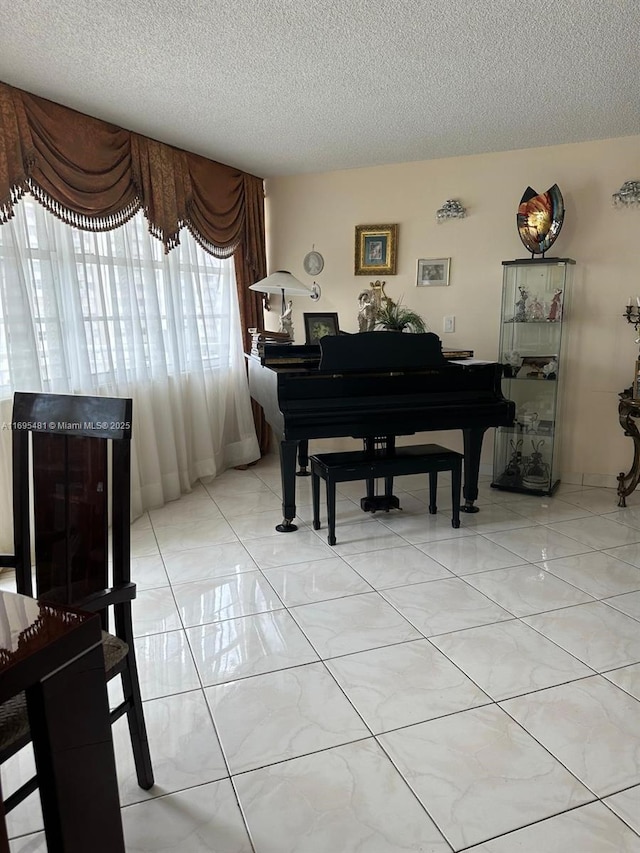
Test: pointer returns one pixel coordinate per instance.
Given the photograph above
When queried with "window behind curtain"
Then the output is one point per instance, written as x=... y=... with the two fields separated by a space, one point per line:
x=130 y=296
x=110 y=313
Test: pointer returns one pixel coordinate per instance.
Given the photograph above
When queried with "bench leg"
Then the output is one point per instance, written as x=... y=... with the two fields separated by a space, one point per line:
x=315 y=497
x=456 y=480
x=433 y=491
x=331 y=510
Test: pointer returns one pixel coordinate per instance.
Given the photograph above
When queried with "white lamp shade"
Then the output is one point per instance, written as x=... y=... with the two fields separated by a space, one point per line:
x=279 y=281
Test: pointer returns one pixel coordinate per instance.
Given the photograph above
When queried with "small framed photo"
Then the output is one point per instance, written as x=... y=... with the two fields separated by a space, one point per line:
x=376 y=249
x=433 y=272
x=316 y=326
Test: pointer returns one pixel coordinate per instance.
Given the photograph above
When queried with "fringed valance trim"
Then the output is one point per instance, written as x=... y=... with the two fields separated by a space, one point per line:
x=169 y=241
x=8 y=204
x=82 y=221
x=216 y=251
x=95 y=176
x=18 y=188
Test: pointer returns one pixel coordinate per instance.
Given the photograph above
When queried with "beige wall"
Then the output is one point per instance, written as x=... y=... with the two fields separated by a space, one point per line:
x=322 y=210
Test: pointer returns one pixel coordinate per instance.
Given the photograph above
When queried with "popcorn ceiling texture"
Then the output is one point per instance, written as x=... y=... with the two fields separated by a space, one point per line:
x=280 y=87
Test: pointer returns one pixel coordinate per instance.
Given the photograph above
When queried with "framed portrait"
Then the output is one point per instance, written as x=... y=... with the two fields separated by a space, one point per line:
x=376 y=249
x=316 y=326
x=433 y=272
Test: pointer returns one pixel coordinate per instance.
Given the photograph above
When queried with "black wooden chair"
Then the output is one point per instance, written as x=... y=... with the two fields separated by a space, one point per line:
x=71 y=507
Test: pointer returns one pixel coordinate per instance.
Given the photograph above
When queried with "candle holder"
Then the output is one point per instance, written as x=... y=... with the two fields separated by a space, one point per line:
x=632 y=315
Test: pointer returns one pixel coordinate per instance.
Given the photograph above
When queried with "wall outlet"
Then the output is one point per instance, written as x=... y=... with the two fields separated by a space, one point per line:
x=449 y=323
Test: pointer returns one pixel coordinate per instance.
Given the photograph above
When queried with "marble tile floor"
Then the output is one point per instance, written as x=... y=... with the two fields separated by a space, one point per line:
x=415 y=688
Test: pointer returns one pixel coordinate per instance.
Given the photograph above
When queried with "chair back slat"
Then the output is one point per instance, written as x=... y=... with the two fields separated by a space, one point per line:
x=71 y=511
x=79 y=479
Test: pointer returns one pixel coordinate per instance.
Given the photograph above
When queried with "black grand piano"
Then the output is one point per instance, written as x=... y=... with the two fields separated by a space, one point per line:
x=373 y=385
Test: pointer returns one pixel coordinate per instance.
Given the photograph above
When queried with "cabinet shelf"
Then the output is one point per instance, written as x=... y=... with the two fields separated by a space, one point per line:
x=525 y=457
x=528 y=379
x=545 y=430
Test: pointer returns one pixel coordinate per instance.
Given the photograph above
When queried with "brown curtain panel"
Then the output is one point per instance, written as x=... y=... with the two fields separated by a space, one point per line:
x=251 y=265
x=95 y=176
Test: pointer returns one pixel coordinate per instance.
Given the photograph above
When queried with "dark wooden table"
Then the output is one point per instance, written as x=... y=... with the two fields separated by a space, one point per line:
x=55 y=655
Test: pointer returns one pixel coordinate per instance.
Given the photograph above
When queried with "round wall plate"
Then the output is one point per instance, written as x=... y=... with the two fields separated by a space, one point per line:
x=313 y=263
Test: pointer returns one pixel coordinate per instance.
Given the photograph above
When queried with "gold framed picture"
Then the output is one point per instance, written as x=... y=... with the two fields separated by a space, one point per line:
x=376 y=249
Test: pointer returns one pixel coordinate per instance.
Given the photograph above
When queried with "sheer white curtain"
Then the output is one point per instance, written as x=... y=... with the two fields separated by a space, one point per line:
x=111 y=314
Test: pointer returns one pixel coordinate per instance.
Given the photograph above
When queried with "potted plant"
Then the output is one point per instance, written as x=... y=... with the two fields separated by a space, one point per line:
x=395 y=317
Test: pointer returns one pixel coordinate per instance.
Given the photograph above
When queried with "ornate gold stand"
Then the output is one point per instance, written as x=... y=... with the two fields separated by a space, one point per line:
x=628 y=411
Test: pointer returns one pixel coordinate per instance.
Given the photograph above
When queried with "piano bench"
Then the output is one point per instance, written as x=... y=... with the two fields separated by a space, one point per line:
x=360 y=465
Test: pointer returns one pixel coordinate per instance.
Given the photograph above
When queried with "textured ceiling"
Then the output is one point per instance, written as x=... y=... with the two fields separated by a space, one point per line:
x=288 y=86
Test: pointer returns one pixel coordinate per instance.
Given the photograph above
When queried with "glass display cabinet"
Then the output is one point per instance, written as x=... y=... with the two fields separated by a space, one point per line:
x=532 y=326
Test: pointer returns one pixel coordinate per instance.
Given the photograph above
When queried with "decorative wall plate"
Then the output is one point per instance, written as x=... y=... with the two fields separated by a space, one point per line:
x=313 y=263
x=540 y=218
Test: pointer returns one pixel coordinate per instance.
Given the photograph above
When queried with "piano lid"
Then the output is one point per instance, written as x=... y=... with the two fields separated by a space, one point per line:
x=380 y=351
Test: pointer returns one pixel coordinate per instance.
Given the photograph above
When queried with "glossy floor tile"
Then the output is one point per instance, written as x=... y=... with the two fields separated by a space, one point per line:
x=538 y=543
x=479 y=774
x=599 y=573
x=627 y=677
x=197 y=820
x=397 y=566
x=407 y=683
x=510 y=658
x=597 y=532
x=589 y=726
x=250 y=645
x=282 y=715
x=414 y=688
x=350 y=798
x=346 y=625
x=317 y=580
x=209 y=562
x=183 y=742
x=446 y=605
x=228 y=597
x=470 y=554
x=597 y=634
x=626 y=805
x=528 y=589
x=589 y=829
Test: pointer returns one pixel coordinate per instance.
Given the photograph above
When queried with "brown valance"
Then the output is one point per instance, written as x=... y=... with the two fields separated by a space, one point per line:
x=95 y=176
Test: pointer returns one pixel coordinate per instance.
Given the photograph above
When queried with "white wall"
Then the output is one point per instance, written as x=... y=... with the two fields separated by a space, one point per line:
x=322 y=210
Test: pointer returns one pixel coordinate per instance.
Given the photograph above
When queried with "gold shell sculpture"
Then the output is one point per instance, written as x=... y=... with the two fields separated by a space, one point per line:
x=540 y=218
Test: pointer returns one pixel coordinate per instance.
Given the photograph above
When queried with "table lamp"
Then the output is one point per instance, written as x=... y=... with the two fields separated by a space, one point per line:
x=284 y=283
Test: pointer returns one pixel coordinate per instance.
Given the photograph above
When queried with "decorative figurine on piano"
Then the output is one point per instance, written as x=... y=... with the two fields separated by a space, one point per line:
x=367 y=311
x=286 y=320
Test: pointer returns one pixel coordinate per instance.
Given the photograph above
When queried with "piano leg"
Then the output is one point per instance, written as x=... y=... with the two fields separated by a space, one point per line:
x=288 y=454
x=303 y=459
x=472 y=446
